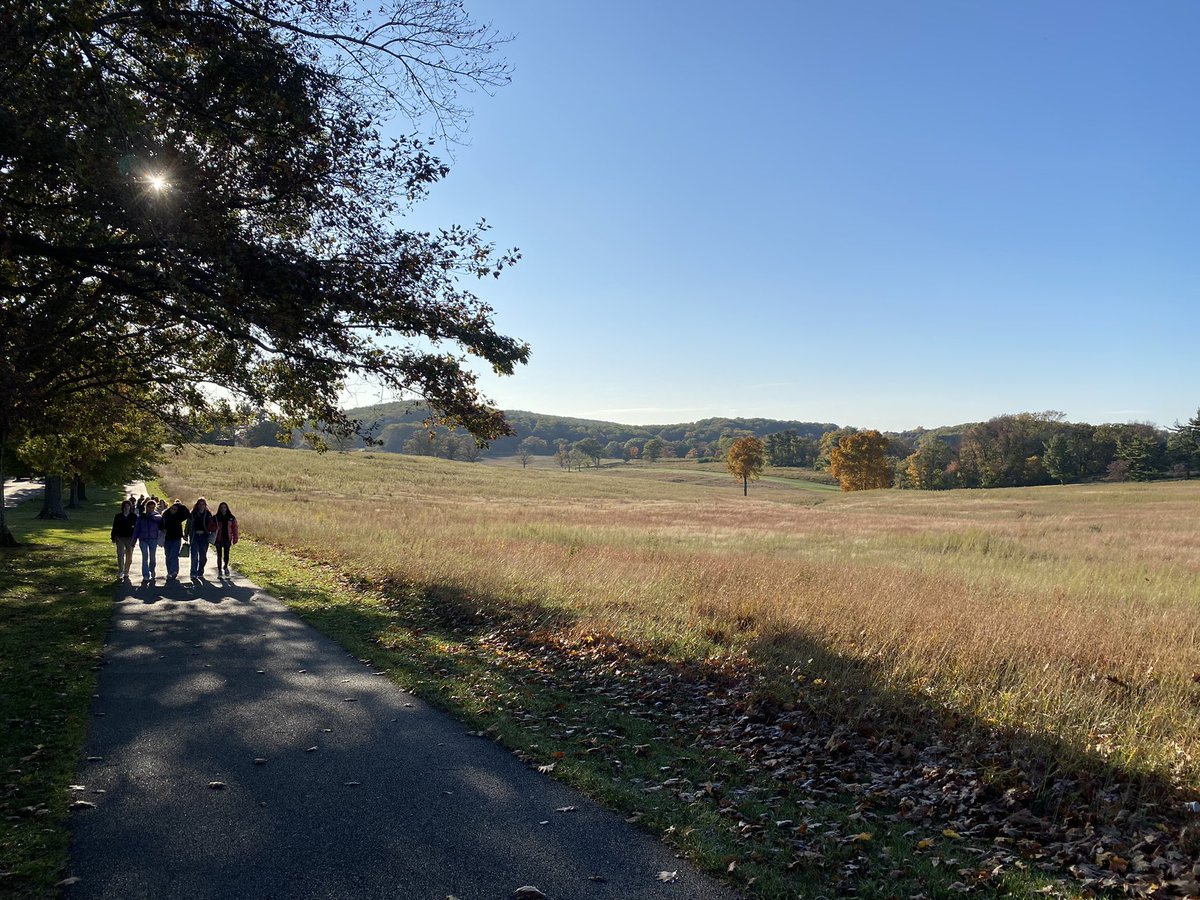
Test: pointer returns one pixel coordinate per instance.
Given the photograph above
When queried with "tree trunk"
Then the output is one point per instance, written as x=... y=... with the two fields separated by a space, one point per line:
x=6 y=537
x=73 y=495
x=80 y=489
x=52 y=499
x=745 y=486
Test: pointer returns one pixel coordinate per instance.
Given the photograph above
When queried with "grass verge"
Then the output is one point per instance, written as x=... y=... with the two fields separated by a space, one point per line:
x=56 y=596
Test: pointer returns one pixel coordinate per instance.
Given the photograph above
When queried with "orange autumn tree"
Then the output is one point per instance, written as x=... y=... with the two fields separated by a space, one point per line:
x=860 y=462
x=745 y=461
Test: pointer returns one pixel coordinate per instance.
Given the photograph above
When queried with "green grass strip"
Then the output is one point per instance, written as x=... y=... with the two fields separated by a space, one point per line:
x=56 y=595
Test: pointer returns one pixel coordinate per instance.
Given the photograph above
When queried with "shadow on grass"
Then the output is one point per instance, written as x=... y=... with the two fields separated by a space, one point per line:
x=1055 y=774
x=55 y=603
x=783 y=794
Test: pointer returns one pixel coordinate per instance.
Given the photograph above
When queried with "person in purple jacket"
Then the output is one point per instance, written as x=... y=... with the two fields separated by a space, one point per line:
x=145 y=534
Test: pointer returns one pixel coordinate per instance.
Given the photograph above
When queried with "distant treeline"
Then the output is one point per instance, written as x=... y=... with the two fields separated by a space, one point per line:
x=1006 y=451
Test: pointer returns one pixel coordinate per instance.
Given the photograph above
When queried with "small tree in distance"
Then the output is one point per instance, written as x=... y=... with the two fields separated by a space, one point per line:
x=745 y=461
x=528 y=447
x=591 y=449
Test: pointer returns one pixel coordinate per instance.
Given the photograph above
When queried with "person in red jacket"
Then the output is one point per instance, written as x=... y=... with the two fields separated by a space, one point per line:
x=226 y=536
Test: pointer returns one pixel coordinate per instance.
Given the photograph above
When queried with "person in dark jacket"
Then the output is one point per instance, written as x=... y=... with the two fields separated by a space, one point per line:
x=226 y=535
x=173 y=519
x=200 y=525
x=122 y=535
x=146 y=535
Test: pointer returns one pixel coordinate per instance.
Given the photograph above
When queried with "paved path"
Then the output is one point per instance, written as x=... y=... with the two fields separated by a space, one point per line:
x=336 y=783
x=18 y=490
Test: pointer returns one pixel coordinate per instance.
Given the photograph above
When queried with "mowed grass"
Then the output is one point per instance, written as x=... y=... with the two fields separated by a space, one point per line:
x=56 y=596
x=1069 y=614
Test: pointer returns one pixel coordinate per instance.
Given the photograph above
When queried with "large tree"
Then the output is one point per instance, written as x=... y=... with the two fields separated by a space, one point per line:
x=860 y=462
x=926 y=466
x=1183 y=445
x=200 y=193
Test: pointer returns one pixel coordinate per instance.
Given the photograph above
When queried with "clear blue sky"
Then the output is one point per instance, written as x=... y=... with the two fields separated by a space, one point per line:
x=877 y=214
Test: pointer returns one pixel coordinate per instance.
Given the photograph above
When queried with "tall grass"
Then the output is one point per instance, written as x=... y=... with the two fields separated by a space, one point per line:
x=1071 y=612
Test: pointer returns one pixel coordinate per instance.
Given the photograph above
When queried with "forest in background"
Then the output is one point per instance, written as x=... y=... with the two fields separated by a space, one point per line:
x=1012 y=450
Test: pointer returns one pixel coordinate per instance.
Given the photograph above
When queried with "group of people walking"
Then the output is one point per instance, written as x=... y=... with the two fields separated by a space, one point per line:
x=149 y=523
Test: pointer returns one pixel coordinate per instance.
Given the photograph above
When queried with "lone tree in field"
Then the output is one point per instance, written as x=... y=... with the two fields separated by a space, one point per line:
x=200 y=193
x=528 y=447
x=745 y=461
x=860 y=462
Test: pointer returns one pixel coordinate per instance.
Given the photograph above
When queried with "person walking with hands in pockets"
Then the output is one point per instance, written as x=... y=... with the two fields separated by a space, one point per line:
x=122 y=535
x=174 y=518
x=226 y=535
x=145 y=534
x=200 y=525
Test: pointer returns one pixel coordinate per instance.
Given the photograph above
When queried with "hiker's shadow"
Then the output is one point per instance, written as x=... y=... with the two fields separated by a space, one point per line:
x=221 y=589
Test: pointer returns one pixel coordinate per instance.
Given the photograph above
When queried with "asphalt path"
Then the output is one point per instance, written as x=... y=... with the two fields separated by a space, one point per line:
x=235 y=752
x=18 y=490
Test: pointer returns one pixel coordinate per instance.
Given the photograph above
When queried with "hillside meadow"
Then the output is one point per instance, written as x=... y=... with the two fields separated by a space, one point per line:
x=1071 y=613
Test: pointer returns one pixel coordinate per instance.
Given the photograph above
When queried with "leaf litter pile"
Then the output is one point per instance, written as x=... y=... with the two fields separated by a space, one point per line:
x=804 y=795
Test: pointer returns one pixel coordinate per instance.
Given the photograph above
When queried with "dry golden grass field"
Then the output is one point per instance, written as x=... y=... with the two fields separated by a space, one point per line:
x=1069 y=614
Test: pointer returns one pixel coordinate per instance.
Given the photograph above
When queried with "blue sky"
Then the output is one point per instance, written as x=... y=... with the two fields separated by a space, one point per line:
x=877 y=214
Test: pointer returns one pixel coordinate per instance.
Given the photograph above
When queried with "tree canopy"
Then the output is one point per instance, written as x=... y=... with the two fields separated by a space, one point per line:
x=860 y=462
x=199 y=193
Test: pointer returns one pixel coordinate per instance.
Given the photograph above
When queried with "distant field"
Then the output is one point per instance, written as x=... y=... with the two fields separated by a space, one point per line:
x=1071 y=613
x=801 y=478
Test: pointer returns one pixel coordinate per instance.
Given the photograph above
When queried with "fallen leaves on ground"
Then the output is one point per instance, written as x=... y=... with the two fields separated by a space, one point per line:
x=954 y=789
